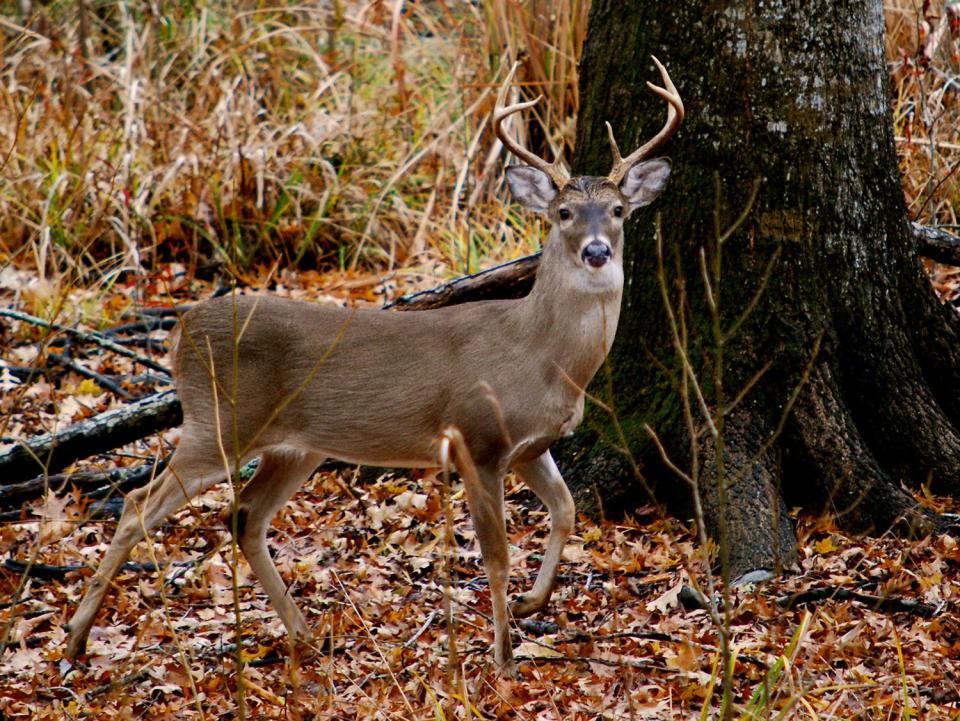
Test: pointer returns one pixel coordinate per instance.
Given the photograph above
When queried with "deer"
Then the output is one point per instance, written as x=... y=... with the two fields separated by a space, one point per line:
x=486 y=386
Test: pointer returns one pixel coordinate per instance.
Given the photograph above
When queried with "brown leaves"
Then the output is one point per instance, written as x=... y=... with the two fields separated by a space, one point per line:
x=58 y=517
x=373 y=592
x=366 y=562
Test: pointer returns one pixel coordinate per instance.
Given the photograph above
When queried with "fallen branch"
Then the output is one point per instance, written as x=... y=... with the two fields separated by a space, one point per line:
x=52 y=572
x=145 y=325
x=889 y=604
x=105 y=382
x=936 y=244
x=93 y=485
x=621 y=662
x=143 y=341
x=52 y=371
x=510 y=280
x=27 y=374
x=128 y=680
x=50 y=453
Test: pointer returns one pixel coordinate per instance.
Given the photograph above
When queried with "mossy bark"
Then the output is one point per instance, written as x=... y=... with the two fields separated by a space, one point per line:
x=792 y=96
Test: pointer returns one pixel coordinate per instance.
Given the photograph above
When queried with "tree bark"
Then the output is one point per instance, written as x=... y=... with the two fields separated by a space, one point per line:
x=849 y=405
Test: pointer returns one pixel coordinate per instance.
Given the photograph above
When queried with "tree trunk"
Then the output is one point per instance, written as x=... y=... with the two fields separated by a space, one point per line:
x=859 y=363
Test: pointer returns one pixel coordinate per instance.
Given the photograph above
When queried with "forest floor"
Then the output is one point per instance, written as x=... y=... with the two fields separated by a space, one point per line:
x=354 y=138
x=866 y=628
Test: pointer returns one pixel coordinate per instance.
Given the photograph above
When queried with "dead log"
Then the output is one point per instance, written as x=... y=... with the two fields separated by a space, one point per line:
x=93 y=484
x=936 y=244
x=510 y=280
x=51 y=453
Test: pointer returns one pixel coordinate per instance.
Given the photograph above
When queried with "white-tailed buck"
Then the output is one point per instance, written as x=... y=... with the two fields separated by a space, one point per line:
x=492 y=384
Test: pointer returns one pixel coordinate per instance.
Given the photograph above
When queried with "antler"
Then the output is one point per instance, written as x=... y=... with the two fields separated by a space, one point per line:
x=555 y=170
x=674 y=117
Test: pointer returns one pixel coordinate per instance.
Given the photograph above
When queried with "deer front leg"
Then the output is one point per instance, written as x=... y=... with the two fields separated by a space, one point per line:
x=544 y=479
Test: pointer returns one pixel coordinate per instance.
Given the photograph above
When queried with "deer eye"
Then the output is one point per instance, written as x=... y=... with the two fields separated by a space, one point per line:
x=564 y=214
x=618 y=211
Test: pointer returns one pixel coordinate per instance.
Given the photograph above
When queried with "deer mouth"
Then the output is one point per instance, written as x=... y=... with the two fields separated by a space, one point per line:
x=596 y=254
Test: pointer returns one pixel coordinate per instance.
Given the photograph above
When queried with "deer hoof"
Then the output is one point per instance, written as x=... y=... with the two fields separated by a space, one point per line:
x=507 y=669
x=76 y=646
x=523 y=606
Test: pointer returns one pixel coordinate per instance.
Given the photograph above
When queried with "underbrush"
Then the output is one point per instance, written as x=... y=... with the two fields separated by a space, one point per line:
x=350 y=136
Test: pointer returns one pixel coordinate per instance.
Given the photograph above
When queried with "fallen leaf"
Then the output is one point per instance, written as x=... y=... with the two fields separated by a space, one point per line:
x=825 y=546
x=667 y=600
x=57 y=519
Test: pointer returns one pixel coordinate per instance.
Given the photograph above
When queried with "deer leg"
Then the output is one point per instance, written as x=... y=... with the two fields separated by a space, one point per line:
x=484 y=488
x=278 y=477
x=143 y=510
x=544 y=479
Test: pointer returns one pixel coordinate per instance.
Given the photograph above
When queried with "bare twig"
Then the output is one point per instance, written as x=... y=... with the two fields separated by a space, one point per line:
x=87 y=337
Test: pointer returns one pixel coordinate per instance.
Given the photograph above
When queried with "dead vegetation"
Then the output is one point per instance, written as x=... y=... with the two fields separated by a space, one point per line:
x=343 y=152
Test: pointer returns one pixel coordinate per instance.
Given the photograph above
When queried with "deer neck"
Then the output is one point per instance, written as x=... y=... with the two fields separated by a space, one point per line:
x=571 y=323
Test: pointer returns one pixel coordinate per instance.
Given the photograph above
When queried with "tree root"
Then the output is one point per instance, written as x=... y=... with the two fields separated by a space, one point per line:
x=896 y=411
x=889 y=604
x=751 y=523
x=841 y=466
x=936 y=338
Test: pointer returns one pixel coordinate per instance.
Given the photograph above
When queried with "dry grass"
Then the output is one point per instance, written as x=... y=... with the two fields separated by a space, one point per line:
x=924 y=57
x=355 y=136
x=350 y=135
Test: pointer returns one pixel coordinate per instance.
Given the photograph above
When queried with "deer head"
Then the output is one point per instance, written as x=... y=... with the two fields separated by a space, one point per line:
x=587 y=212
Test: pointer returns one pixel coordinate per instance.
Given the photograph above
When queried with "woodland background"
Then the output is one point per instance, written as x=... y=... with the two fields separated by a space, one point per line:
x=153 y=154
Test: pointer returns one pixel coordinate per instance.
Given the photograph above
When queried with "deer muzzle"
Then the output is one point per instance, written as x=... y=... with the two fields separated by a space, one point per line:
x=596 y=253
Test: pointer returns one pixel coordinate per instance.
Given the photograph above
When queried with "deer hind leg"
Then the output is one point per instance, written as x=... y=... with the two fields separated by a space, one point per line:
x=192 y=470
x=544 y=479
x=278 y=477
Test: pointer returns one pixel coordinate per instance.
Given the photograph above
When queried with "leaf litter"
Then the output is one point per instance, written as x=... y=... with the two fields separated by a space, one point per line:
x=367 y=560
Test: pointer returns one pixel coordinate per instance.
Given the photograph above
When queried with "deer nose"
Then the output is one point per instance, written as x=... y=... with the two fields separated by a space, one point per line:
x=596 y=253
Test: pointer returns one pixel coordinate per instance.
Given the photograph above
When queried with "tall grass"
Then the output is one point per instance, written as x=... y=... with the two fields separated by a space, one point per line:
x=923 y=49
x=237 y=133
x=352 y=135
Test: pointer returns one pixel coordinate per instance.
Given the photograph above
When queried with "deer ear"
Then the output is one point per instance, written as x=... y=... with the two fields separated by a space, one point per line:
x=531 y=187
x=645 y=181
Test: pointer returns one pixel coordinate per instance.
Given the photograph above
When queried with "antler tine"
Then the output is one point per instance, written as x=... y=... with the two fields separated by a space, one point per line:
x=555 y=170
x=674 y=118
